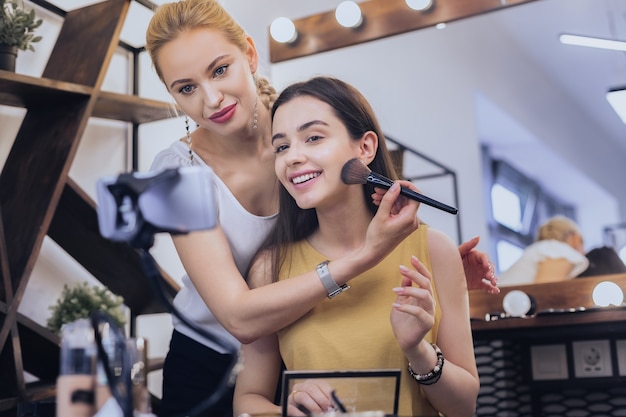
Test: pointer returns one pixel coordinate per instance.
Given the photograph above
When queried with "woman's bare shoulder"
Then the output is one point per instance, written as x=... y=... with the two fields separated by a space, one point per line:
x=440 y=244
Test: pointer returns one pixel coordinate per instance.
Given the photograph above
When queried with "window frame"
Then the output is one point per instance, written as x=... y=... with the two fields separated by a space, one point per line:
x=537 y=204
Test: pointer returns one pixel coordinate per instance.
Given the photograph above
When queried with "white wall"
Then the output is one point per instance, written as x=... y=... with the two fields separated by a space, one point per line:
x=435 y=110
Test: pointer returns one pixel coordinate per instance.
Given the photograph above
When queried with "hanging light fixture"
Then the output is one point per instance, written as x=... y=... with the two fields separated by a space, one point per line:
x=283 y=30
x=617 y=99
x=349 y=15
x=420 y=5
x=617 y=96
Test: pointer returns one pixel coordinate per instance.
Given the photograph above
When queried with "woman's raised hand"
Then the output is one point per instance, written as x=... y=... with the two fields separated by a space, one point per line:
x=395 y=219
x=413 y=313
x=478 y=268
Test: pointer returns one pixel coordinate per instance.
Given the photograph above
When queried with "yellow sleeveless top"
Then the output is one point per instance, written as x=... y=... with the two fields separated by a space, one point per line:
x=353 y=330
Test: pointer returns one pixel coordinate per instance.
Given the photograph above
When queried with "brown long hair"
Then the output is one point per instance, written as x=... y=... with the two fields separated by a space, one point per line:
x=172 y=19
x=351 y=107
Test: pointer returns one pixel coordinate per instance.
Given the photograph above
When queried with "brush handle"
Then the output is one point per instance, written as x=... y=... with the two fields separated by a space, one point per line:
x=381 y=181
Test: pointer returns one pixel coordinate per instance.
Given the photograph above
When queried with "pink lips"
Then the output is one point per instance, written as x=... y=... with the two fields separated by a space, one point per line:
x=223 y=115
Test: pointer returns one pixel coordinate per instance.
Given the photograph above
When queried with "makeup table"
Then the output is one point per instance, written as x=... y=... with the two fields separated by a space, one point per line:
x=564 y=307
x=568 y=351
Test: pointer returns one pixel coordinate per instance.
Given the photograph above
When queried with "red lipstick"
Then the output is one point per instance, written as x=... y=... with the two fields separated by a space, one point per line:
x=223 y=115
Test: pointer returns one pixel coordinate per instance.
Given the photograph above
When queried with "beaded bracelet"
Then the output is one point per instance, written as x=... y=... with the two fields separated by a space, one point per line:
x=434 y=375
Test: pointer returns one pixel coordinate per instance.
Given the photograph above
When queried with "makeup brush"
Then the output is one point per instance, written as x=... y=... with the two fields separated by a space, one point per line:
x=356 y=172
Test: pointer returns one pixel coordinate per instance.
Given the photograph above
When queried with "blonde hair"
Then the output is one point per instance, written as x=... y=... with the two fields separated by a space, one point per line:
x=557 y=228
x=172 y=19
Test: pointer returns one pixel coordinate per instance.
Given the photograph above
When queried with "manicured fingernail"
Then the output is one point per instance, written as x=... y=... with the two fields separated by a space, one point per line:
x=404 y=268
x=394 y=187
x=398 y=290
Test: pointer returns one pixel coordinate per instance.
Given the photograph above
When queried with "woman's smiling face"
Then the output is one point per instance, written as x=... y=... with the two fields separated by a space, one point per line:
x=312 y=145
x=211 y=79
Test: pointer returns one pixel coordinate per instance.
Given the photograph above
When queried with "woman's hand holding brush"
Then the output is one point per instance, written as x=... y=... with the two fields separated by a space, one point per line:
x=395 y=219
x=356 y=172
x=380 y=192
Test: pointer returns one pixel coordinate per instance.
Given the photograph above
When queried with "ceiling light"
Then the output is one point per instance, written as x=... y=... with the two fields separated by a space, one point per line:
x=617 y=100
x=593 y=42
x=349 y=15
x=421 y=5
x=283 y=30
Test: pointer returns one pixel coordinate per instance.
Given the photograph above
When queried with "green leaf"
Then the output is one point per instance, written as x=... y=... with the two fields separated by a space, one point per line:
x=80 y=302
x=17 y=25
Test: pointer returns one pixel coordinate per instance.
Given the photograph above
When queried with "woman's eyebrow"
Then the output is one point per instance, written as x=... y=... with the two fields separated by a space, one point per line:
x=300 y=128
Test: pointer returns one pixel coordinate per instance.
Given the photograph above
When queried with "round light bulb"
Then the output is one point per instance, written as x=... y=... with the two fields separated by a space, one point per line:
x=348 y=14
x=607 y=293
x=516 y=303
x=420 y=5
x=283 y=30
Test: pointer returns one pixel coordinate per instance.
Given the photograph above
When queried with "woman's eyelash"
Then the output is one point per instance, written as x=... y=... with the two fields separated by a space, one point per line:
x=186 y=89
x=221 y=70
x=280 y=148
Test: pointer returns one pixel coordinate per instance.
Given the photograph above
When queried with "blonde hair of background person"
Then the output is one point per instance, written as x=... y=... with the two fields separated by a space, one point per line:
x=392 y=315
x=209 y=65
x=557 y=254
x=562 y=229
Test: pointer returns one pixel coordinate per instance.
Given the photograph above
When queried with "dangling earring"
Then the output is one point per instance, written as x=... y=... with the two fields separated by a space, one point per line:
x=188 y=138
x=254 y=123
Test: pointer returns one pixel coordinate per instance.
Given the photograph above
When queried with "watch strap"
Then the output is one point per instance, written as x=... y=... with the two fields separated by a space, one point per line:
x=332 y=288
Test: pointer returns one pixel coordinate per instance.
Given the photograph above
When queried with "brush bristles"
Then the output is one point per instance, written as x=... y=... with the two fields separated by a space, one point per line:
x=354 y=172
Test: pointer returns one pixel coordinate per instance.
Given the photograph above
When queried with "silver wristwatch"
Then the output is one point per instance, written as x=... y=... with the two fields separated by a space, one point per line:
x=331 y=286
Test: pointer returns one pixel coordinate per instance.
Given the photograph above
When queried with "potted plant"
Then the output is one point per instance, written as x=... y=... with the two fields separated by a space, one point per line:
x=17 y=31
x=82 y=300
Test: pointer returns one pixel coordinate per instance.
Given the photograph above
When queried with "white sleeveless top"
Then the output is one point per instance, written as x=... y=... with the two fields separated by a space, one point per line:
x=245 y=233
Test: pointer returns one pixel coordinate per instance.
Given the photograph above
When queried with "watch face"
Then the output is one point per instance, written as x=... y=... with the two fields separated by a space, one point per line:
x=516 y=303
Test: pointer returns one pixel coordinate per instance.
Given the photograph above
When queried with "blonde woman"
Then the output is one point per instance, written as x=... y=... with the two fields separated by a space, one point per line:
x=558 y=254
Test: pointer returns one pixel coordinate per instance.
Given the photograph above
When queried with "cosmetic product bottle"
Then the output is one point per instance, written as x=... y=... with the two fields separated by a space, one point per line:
x=76 y=381
x=103 y=391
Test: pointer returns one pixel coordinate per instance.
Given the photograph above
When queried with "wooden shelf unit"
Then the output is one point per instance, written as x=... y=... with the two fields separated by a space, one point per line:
x=37 y=197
